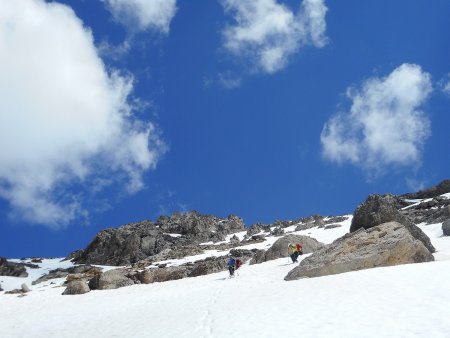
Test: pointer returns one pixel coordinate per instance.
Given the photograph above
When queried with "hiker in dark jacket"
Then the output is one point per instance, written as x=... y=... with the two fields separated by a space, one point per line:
x=231 y=262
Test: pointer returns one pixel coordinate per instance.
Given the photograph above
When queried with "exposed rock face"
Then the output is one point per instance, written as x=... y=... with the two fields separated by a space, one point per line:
x=1 y=288
x=12 y=269
x=137 y=241
x=76 y=288
x=440 y=189
x=446 y=228
x=383 y=245
x=279 y=249
x=377 y=209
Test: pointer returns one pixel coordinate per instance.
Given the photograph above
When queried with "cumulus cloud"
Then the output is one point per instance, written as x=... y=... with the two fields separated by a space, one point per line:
x=385 y=125
x=267 y=33
x=65 y=121
x=141 y=15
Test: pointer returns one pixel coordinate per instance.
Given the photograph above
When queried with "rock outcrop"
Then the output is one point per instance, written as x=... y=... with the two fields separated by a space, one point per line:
x=436 y=210
x=138 y=241
x=383 y=245
x=279 y=249
x=12 y=269
x=440 y=189
x=378 y=209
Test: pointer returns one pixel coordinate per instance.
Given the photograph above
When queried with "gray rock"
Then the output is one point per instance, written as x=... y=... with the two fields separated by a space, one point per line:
x=383 y=245
x=234 y=240
x=279 y=249
x=377 y=209
x=12 y=269
x=163 y=274
x=1 y=288
x=57 y=273
x=336 y=219
x=305 y=226
x=76 y=288
x=14 y=292
x=446 y=228
x=332 y=226
x=254 y=229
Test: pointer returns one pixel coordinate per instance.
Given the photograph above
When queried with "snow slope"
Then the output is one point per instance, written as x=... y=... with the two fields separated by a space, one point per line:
x=401 y=301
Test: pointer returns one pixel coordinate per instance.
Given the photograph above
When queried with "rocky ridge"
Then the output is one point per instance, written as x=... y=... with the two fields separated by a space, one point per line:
x=144 y=246
x=133 y=242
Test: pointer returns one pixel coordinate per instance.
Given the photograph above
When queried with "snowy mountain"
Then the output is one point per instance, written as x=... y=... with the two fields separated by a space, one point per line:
x=410 y=300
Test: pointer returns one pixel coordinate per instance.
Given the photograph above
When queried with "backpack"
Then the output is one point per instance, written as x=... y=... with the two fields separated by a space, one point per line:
x=238 y=263
x=300 y=249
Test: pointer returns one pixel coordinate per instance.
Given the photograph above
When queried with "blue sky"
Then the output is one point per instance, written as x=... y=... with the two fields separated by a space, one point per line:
x=117 y=111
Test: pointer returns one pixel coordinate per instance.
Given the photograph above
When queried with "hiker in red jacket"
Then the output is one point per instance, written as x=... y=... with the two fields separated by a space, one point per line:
x=293 y=252
x=233 y=264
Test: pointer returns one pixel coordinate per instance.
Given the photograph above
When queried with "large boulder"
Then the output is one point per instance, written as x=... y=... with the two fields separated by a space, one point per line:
x=383 y=245
x=446 y=228
x=279 y=249
x=112 y=279
x=379 y=209
x=163 y=274
x=76 y=287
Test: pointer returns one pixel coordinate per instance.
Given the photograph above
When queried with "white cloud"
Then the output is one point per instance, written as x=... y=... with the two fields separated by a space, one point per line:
x=142 y=15
x=385 y=125
x=65 y=121
x=268 y=33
